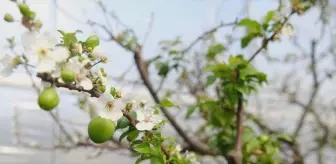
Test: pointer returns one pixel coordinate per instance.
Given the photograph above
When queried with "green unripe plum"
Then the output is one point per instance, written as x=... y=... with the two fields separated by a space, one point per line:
x=68 y=76
x=92 y=41
x=100 y=129
x=48 y=99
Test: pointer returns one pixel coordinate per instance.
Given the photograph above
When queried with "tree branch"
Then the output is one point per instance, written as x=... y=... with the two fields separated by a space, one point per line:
x=308 y=107
x=94 y=93
x=236 y=156
x=265 y=42
x=196 y=146
x=206 y=33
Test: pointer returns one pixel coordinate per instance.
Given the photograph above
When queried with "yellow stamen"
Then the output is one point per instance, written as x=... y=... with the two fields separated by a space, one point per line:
x=109 y=106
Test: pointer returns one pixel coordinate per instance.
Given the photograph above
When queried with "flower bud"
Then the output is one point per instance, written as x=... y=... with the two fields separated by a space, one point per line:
x=103 y=73
x=102 y=88
x=81 y=59
x=129 y=107
x=38 y=24
x=89 y=49
x=8 y=18
x=103 y=59
x=118 y=94
x=142 y=103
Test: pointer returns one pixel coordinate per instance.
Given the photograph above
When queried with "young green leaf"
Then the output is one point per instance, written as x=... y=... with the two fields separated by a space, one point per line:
x=166 y=103
x=285 y=137
x=247 y=39
x=163 y=68
x=252 y=25
x=210 y=80
x=143 y=148
x=269 y=16
x=190 y=111
x=213 y=50
x=132 y=135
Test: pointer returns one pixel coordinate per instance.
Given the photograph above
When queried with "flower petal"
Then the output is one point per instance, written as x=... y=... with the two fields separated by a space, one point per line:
x=86 y=83
x=156 y=119
x=97 y=51
x=144 y=125
x=140 y=115
x=115 y=114
x=5 y=72
x=28 y=39
x=104 y=98
x=46 y=65
x=60 y=54
x=6 y=61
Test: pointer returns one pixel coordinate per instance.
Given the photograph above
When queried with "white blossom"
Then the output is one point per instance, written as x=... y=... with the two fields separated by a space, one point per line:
x=8 y=64
x=190 y=156
x=147 y=119
x=80 y=71
x=41 y=50
x=287 y=30
x=97 y=51
x=108 y=107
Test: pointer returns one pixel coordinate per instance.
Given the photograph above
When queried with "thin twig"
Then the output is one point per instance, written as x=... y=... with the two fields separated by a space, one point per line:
x=265 y=43
x=205 y=34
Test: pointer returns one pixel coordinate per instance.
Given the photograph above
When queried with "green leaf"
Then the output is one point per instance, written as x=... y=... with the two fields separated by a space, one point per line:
x=269 y=16
x=248 y=134
x=132 y=135
x=166 y=103
x=61 y=32
x=143 y=148
x=285 y=137
x=163 y=68
x=213 y=50
x=210 y=80
x=124 y=135
x=123 y=122
x=24 y=9
x=136 y=142
x=173 y=52
x=252 y=145
x=252 y=25
x=69 y=38
x=92 y=41
x=131 y=129
x=31 y=15
x=155 y=160
x=248 y=38
x=143 y=157
x=190 y=111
